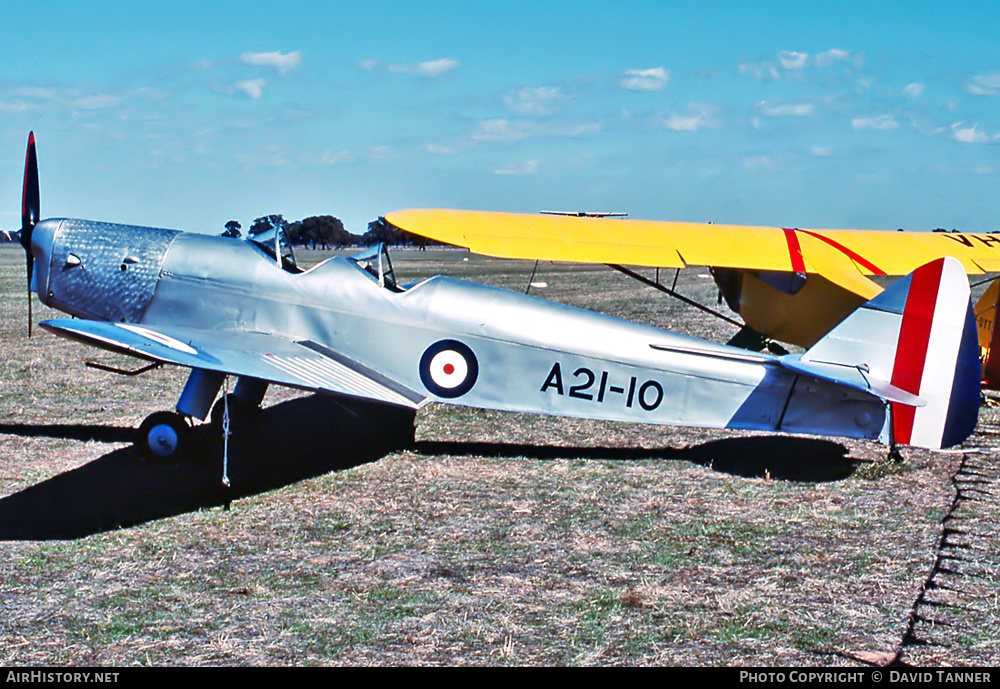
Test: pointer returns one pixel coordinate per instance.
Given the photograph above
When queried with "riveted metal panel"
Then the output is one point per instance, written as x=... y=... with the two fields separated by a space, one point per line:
x=105 y=271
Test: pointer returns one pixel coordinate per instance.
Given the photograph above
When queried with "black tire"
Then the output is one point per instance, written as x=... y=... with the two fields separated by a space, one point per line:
x=162 y=437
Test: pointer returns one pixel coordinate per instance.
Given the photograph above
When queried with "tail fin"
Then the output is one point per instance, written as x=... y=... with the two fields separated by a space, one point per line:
x=989 y=335
x=914 y=345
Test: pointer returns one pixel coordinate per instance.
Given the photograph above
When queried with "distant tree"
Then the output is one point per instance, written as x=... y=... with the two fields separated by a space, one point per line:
x=378 y=231
x=387 y=233
x=267 y=222
x=233 y=230
x=321 y=230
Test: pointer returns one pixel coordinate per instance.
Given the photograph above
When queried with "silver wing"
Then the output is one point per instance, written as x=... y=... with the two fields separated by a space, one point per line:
x=306 y=365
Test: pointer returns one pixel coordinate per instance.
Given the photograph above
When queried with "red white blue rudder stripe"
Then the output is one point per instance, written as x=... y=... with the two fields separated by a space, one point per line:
x=937 y=358
x=915 y=346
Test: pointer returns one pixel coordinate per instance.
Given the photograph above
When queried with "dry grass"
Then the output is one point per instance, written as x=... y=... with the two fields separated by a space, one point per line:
x=504 y=538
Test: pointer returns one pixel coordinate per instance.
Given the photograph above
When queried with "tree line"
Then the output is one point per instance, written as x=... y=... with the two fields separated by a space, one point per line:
x=327 y=232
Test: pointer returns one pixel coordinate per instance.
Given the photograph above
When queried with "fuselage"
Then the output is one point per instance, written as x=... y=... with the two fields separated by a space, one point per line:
x=452 y=341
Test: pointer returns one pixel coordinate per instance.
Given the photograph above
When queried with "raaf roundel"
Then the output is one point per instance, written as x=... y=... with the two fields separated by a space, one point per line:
x=449 y=369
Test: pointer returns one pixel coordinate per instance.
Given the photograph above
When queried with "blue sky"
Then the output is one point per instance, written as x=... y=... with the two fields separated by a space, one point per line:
x=182 y=114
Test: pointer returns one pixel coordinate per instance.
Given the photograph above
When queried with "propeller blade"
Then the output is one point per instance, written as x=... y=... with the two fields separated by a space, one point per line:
x=30 y=212
x=29 y=194
x=30 y=267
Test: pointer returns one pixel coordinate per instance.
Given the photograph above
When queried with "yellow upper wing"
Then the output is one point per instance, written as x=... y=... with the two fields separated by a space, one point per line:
x=838 y=254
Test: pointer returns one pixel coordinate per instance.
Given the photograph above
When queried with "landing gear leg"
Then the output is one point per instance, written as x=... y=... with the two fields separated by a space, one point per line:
x=243 y=405
x=895 y=456
x=236 y=410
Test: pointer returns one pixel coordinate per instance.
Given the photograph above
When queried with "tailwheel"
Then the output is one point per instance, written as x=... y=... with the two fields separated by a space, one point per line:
x=162 y=436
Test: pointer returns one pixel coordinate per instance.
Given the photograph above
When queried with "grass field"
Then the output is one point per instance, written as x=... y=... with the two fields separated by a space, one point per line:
x=495 y=538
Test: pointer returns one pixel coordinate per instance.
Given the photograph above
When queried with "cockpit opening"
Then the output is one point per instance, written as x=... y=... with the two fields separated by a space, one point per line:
x=275 y=245
x=375 y=261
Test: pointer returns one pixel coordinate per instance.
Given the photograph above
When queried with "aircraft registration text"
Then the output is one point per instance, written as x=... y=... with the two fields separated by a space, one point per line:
x=595 y=387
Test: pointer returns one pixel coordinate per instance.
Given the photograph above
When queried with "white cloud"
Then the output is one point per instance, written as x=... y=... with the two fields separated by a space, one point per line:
x=913 y=91
x=821 y=151
x=16 y=106
x=431 y=69
x=500 y=131
x=438 y=149
x=251 y=87
x=335 y=157
x=264 y=156
x=694 y=117
x=984 y=84
x=789 y=59
x=828 y=57
x=759 y=70
x=379 y=152
x=654 y=79
x=98 y=102
x=867 y=177
x=791 y=110
x=528 y=167
x=758 y=162
x=283 y=62
x=37 y=92
x=876 y=122
x=793 y=64
x=570 y=129
x=539 y=102
x=503 y=130
x=969 y=135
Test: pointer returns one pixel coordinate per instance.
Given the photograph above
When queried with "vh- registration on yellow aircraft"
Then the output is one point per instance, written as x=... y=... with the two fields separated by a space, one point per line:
x=788 y=284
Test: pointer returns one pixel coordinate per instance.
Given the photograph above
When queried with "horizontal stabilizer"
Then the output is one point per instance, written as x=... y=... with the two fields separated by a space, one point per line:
x=853 y=377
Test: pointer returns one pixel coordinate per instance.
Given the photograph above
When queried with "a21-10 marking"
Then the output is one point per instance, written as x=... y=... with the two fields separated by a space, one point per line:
x=588 y=385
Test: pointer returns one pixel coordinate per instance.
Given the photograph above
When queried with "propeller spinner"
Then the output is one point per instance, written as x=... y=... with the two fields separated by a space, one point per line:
x=29 y=212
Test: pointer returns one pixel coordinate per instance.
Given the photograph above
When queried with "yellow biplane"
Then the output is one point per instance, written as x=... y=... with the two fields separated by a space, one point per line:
x=788 y=284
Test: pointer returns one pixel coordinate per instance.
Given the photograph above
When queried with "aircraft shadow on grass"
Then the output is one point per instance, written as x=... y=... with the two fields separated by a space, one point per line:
x=288 y=445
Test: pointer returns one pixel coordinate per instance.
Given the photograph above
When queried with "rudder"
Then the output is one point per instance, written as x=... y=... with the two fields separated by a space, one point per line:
x=917 y=337
x=937 y=358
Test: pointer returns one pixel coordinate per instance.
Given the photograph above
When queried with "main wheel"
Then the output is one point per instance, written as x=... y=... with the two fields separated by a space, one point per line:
x=162 y=436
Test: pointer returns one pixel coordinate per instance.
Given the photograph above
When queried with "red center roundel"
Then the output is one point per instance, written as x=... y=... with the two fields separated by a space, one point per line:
x=448 y=368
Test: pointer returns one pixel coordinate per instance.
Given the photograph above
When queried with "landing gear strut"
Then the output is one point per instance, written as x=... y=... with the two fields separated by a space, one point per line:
x=166 y=435
x=242 y=413
x=895 y=456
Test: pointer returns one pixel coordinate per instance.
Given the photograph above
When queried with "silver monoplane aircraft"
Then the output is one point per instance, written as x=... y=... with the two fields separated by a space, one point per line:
x=903 y=368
